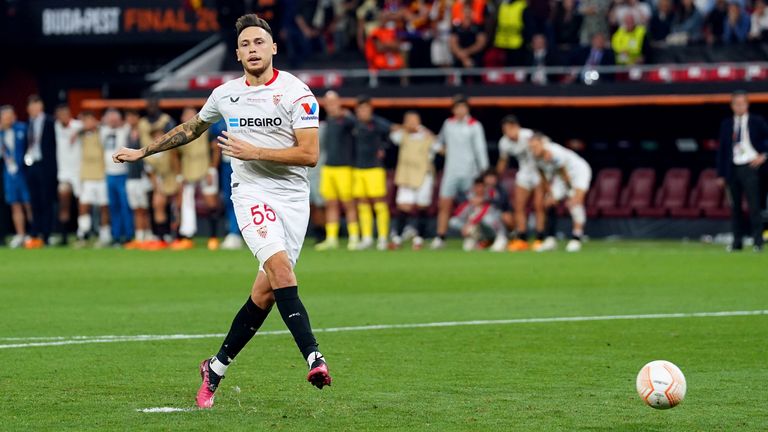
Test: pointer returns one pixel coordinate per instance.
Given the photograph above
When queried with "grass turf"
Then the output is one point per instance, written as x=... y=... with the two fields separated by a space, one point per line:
x=543 y=376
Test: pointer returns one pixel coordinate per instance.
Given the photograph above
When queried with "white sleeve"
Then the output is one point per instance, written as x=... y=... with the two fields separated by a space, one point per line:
x=396 y=137
x=304 y=112
x=505 y=149
x=210 y=112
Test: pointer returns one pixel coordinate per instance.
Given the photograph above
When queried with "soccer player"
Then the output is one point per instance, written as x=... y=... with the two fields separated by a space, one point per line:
x=198 y=169
x=462 y=139
x=13 y=143
x=93 y=190
x=138 y=187
x=565 y=175
x=414 y=177
x=478 y=218
x=68 y=148
x=272 y=137
x=369 y=180
x=114 y=135
x=514 y=143
x=336 y=174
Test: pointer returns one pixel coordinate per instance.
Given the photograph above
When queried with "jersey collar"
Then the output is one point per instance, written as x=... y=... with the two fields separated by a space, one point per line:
x=274 y=77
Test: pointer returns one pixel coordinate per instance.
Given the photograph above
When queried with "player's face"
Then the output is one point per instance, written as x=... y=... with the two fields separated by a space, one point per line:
x=34 y=109
x=63 y=115
x=461 y=110
x=740 y=105
x=90 y=122
x=412 y=122
x=332 y=104
x=255 y=49
x=113 y=119
x=7 y=117
x=537 y=147
x=511 y=130
x=132 y=119
x=364 y=112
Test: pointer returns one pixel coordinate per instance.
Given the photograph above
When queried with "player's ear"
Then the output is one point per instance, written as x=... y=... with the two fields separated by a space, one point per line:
x=274 y=49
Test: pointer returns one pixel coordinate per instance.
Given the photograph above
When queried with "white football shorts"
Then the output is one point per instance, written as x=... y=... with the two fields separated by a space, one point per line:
x=269 y=224
x=94 y=192
x=421 y=196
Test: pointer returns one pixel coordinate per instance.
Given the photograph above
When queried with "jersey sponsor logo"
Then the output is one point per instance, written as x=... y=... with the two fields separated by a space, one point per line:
x=235 y=122
x=234 y=100
x=253 y=100
x=309 y=109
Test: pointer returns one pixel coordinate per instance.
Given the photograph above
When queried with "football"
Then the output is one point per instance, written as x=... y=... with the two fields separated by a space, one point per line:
x=661 y=384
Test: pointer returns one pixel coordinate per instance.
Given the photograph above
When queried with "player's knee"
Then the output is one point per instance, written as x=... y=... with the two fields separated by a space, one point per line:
x=280 y=271
x=579 y=214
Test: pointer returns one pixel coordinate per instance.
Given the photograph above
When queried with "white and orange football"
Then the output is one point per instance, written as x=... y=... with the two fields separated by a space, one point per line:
x=661 y=384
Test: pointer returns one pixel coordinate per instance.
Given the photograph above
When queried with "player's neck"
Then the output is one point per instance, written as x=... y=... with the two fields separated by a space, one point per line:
x=257 y=80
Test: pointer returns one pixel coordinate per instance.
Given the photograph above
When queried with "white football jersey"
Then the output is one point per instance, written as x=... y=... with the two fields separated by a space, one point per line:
x=68 y=146
x=519 y=149
x=266 y=116
x=574 y=165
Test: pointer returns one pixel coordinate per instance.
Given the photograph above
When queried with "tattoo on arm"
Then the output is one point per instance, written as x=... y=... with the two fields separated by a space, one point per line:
x=178 y=136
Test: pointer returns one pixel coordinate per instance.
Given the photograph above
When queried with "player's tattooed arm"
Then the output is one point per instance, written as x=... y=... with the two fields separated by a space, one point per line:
x=176 y=137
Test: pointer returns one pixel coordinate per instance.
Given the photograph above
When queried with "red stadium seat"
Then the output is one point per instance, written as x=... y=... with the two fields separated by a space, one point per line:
x=636 y=195
x=706 y=195
x=605 y=192
x=672 y=193
x=508 y=183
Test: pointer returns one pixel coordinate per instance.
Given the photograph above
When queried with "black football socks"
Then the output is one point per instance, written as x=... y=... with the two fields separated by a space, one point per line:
x=296 y=319
x=244 y=327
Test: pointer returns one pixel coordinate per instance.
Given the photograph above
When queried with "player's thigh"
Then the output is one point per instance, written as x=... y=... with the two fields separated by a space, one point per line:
x=449 y=187
x=376 y=183
x=406 y=196
x=295 y=217
x=358 y=184
x=327 y=187
x=522 y=195
x=258 y=220
x=558 y=189
x=424 y=192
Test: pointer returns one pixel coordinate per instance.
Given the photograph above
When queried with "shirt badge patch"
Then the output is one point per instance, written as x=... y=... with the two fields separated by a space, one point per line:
x=262 y=231
x=276 y=98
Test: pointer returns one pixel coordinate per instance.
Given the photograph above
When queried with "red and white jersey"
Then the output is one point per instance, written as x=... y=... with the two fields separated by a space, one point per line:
x=563 y=158
x=266 y=116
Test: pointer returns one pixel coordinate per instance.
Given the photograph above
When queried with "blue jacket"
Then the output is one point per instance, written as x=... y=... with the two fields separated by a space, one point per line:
x=19 y=146
x=739 y=32
x=758 y=135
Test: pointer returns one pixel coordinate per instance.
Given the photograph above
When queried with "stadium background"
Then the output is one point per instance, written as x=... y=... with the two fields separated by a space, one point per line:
x=662 y=114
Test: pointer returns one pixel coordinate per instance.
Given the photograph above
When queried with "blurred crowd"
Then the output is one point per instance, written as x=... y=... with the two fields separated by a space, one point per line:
x=394 y=34
x=59 y=180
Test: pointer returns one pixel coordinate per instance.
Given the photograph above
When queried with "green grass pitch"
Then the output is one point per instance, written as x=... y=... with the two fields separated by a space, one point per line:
x=527 y=376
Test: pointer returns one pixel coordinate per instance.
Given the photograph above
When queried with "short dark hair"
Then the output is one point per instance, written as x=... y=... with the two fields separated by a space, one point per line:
x=411 y=112
x=252 y=20
x=62 y=106
x=7 y=108
x=739 y=93
x=363 y=99
x=131 y=111
x=460 y=99
x=87 y=113
x=510 y=119
x=33 y=98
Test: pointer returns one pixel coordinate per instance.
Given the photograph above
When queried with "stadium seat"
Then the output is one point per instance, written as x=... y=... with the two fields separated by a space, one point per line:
x=672 y=193
x=706 y=195
x=636 y=195
x=605 y=192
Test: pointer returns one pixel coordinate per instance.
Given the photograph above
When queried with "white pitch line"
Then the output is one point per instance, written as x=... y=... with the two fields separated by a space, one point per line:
x=78 y=340
x=164 y=410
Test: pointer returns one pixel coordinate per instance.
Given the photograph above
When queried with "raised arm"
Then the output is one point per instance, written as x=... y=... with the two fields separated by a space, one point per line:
x=176 y=137
x=304 y=153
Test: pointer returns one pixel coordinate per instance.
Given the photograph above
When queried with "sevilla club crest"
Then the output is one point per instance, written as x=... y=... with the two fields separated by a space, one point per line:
x=262 y=231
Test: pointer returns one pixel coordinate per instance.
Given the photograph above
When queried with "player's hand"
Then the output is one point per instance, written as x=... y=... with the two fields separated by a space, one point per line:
x=759 y=160
x=127 y=155
x=236 y=148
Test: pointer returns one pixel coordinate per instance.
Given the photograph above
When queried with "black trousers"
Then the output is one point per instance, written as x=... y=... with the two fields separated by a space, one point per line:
x=42 y=194
x=745 y=181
